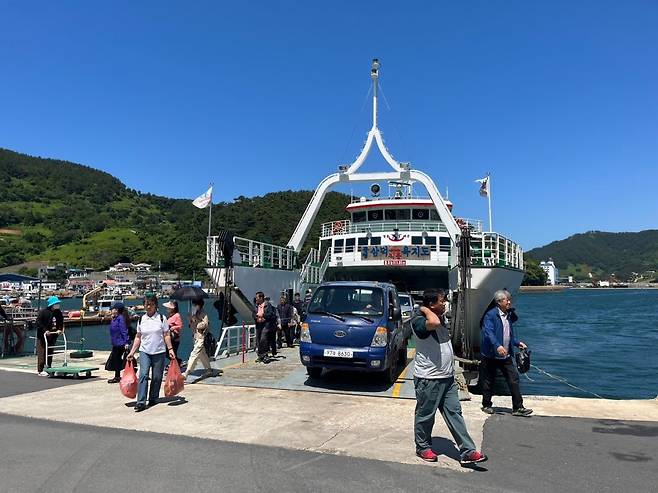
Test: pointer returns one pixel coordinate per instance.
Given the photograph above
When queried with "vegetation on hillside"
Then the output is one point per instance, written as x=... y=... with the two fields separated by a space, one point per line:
x=602 y=254
x=59 y=211
x=534 y=275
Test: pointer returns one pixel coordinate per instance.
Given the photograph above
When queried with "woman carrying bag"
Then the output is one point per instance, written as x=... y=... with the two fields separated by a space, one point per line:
x=153 y=341
x=175 y=325
x=119 y=338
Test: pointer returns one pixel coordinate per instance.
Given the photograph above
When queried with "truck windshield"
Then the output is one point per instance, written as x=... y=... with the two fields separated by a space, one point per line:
x=348 y=300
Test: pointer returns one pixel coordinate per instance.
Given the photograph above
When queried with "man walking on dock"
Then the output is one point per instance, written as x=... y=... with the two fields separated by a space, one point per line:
x=496 y=348
x=285 y=311
x=265 y=318
x=434 y=381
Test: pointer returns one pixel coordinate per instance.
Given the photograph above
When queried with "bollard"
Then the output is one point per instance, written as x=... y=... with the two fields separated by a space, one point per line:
x=243 y=341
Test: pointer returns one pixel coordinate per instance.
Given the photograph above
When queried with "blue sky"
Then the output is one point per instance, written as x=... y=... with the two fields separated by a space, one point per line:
x=558 y=100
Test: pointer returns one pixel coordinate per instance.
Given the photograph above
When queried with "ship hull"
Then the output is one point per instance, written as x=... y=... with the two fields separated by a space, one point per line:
x=484 y=282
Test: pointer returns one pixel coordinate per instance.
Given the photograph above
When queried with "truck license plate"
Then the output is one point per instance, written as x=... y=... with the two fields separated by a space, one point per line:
x=338 y=353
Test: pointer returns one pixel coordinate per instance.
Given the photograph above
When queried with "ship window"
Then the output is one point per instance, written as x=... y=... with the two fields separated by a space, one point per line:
x=375 y=215
x=376 y=240
x=444 y=244
x=434 y=215
x=338 y=246
x=359 y=217
x=363 y=241
x=421 y=214
x=349 y=242
x=430 y=240
x=416 y=240
x=404 y=214
x=397 y=214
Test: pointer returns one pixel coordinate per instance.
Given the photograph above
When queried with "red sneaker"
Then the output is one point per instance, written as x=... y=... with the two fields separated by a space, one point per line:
x=427 y=455
x=473 y=458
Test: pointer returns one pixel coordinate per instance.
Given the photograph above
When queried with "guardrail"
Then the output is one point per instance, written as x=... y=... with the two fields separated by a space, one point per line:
x=348 y=227
x=252 y=253
x=494 y=250
x=236 y=339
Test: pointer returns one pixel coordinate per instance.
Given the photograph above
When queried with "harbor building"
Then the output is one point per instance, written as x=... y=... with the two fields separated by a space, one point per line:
x=551 y=271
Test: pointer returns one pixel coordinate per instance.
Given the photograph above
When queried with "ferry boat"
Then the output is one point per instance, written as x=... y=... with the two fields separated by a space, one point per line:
x=412 y=240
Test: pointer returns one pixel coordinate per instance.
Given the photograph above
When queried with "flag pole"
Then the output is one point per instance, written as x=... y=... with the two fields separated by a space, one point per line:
x=210 y=211
x=489 y=199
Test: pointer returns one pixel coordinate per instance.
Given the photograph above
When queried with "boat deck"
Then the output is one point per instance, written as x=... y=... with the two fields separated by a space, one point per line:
x=287 y=373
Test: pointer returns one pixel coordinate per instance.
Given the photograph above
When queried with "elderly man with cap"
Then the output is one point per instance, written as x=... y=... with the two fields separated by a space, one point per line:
x=50 y=324
x=119 y=338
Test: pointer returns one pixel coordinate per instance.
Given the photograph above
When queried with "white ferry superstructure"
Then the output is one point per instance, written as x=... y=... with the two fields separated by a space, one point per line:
x=411 y=240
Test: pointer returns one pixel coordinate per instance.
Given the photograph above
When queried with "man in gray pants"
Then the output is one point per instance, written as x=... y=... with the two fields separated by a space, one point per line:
x=434 y=380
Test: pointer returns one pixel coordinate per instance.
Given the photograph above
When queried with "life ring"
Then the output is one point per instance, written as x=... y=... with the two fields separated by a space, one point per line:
x=338 y=227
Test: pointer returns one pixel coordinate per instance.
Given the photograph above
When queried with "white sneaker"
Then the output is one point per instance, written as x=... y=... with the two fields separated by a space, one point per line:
x=43 y=374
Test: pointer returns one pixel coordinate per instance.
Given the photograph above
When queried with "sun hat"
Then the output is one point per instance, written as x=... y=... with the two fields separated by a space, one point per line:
x=53 y=300
x=169 y=304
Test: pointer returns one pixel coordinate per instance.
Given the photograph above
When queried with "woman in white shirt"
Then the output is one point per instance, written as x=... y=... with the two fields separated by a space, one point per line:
x=153 y=340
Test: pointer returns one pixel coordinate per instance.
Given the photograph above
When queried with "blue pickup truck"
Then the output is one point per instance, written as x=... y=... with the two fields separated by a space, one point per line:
x=354 y=325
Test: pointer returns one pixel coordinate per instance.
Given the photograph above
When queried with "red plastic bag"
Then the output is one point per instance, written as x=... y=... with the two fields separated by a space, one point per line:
x=174 y=383
x=128 y=383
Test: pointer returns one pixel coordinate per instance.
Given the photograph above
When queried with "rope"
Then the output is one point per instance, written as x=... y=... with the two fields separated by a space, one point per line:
x=564 y=381
x=395 y=127
x=356 y=122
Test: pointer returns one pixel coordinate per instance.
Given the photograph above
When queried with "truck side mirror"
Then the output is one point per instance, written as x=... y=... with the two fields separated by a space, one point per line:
x=396 y=314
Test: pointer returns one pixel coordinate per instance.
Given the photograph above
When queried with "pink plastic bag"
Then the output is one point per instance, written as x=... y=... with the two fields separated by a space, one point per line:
x=174 y=383
x=128 y=383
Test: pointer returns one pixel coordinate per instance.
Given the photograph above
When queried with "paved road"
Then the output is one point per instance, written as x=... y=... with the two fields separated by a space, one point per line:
x=14 y=383
x=538 y=454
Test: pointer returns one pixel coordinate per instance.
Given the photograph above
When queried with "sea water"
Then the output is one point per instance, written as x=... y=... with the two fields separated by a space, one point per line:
x=602 y=341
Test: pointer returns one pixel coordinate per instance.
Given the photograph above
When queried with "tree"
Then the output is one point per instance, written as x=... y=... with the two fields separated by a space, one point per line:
x=534 y=275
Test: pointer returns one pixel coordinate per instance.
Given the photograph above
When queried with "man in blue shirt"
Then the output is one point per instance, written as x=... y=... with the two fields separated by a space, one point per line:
x=496 y=349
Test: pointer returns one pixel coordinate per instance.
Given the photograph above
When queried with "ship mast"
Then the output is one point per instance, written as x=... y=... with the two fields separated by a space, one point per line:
x=374 y=75
x=348 y=174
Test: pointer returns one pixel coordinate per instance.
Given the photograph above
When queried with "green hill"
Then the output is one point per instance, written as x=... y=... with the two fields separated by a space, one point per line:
x=603 y=254
x=60 y=211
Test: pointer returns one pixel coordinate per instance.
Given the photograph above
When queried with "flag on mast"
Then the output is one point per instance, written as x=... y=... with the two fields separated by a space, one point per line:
x=484 y=186
x=204 y=200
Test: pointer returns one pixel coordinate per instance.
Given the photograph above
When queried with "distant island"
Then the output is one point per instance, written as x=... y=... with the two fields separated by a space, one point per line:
x=599 y=255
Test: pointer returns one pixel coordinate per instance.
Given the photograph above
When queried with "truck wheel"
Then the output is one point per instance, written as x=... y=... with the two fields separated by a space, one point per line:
x=402 y=356
x=391 y=373
x=314 y=371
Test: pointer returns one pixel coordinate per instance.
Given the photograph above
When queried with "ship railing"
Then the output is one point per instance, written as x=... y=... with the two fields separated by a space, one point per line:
x=235 y=340
x=334 y=228
x=325 y=264
x=310 y=272
x=22 y=313
x=251 y=253
x=494 y=250
x=474 y=225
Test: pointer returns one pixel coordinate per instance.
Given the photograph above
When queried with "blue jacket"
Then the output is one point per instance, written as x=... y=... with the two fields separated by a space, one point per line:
x=118 y=331
x=492 y=334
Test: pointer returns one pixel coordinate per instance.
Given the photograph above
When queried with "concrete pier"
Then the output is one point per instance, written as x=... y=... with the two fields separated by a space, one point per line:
x=272 y=406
